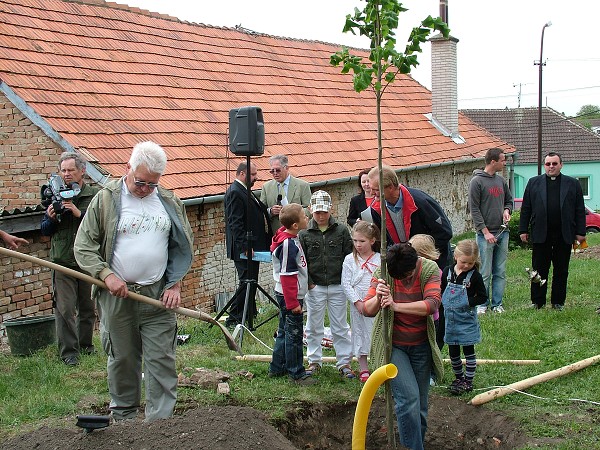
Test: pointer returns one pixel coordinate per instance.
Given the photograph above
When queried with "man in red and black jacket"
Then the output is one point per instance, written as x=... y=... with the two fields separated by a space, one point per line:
x=409 y=211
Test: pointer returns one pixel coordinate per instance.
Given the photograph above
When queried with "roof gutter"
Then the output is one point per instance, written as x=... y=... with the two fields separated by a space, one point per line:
x=219 y=198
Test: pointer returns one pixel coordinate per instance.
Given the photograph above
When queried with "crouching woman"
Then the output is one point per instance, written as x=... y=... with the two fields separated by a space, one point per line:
x=412 y=292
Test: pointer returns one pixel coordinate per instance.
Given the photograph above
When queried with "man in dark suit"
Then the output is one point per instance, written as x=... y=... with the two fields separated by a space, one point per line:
x=240 y=217
x=554 y=210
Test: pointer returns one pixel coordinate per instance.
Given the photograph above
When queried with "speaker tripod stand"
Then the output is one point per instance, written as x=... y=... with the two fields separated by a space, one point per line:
x=249 y=283
x=248 y=316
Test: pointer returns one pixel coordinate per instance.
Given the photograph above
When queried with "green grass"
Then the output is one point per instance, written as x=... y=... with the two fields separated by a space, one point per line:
x=40 y=390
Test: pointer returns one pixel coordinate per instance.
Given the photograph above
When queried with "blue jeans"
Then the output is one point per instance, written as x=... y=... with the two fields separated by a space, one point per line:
x=410 y=389
x=493 y=266
x=287 y=352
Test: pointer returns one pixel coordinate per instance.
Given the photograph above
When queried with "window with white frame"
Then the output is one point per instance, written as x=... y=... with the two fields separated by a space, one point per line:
x=585 y=186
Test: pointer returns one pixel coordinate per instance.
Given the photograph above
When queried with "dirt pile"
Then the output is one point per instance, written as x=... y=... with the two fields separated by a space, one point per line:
x=453 y=424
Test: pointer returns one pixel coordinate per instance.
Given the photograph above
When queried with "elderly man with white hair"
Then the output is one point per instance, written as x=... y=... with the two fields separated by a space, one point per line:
x=136 y=237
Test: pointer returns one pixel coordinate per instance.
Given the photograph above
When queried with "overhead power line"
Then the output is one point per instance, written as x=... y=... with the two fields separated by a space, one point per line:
x=512 y=95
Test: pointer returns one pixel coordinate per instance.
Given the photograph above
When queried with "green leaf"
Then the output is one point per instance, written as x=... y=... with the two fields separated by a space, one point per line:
x=378 y=21
x=362 y=80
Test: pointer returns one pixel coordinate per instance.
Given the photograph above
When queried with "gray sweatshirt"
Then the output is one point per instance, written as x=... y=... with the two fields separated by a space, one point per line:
x=489 y=196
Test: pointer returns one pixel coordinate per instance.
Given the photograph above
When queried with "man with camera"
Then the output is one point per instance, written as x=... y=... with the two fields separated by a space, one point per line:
x=74 y=308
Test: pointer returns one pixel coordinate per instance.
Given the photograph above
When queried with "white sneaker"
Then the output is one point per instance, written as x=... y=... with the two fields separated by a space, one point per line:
x=481 y=310
x=498 y=309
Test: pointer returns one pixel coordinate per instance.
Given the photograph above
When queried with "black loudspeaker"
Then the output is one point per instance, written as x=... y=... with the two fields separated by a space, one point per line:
x=246 y=131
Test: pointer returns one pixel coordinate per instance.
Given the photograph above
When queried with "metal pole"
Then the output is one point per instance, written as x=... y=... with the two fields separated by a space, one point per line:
x=539 y=149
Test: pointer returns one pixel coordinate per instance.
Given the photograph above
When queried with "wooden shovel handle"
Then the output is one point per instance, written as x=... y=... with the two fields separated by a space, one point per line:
x=133 y=295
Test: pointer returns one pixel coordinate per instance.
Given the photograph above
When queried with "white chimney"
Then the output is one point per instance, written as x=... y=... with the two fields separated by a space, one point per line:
x=444 y=92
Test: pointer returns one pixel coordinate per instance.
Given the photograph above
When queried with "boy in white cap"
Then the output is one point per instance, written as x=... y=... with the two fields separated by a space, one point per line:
x=326 y=243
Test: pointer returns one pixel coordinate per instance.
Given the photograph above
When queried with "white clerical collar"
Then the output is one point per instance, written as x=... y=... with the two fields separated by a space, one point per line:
x=241 y=182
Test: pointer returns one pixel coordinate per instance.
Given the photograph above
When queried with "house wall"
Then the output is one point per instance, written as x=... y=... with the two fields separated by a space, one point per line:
x=27 y=157
x=589 y=169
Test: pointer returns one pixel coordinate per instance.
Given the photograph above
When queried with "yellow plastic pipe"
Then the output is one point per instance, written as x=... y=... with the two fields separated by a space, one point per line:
x=377 y=378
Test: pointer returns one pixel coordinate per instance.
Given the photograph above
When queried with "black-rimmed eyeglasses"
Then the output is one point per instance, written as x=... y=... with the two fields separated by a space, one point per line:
x=147 y=184
x=552 y=163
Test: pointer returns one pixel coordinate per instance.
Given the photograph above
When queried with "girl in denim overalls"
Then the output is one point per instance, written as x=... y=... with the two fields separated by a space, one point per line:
x=462 y=290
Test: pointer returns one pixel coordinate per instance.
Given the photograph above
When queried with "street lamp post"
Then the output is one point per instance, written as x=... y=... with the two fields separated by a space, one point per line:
x=541 y=64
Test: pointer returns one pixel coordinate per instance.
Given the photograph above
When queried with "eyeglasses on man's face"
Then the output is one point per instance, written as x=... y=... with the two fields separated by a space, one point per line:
x=276 y=170
x=553 y=163
x=141 y=183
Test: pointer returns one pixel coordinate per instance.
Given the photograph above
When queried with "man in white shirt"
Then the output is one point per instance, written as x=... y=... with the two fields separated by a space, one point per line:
x=136 y=237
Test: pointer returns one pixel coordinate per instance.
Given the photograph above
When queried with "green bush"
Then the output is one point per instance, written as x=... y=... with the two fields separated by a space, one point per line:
x=513 y=228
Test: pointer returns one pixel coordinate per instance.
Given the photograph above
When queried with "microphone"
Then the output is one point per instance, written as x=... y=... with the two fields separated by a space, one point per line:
x=279 y=197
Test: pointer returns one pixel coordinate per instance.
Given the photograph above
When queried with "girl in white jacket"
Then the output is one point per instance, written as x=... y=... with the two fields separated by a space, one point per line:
x=357 y=272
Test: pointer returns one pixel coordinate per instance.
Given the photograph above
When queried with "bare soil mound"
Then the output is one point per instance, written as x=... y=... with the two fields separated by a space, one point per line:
x=453 y=424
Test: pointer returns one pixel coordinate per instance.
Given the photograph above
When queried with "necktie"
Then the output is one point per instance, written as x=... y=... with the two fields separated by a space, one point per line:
x=281 y=197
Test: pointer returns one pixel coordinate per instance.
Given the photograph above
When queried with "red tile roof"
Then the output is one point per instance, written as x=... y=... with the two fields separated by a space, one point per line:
x=106 y=76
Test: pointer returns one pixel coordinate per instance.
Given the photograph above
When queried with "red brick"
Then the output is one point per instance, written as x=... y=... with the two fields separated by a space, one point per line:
x=20 y=298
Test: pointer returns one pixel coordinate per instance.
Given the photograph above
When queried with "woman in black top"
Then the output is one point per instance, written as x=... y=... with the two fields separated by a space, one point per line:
x=362 y=201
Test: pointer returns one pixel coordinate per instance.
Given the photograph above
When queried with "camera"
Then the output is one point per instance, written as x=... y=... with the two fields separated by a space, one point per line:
x=56 y=191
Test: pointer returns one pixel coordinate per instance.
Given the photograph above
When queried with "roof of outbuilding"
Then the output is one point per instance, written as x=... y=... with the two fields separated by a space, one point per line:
x=106 y=76
x=519 y=127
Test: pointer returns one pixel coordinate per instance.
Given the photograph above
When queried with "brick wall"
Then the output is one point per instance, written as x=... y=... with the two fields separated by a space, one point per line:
x=25 y=288
x=27 y=157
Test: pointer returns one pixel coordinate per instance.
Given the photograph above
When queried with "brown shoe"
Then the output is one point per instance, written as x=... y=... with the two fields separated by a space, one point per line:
x=304 y=380
x=313 y=369
x=347 y=372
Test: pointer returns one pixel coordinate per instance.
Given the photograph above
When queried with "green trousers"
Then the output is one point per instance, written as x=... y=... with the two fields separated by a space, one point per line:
x=75 y=314
x=133 y=333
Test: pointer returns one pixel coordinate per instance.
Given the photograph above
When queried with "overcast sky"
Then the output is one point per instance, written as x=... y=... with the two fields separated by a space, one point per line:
x=498 y=41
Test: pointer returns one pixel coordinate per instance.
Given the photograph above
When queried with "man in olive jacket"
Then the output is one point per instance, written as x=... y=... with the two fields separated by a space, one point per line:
x=74 y=309
x=136 y=237
x=282 y=190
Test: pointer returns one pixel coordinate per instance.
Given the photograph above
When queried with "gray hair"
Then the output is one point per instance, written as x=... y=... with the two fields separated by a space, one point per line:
x=390 y=178
x=283 y=160
x=79 y=160
x=150 y=155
